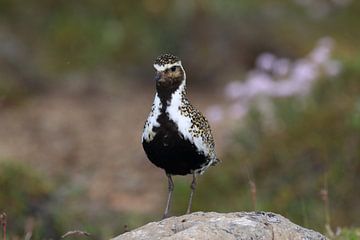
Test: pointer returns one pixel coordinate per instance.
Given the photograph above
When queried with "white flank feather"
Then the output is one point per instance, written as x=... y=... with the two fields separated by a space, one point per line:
x=148 y=133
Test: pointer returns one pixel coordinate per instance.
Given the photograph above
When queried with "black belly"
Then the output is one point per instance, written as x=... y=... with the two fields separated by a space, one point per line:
x=171 y=152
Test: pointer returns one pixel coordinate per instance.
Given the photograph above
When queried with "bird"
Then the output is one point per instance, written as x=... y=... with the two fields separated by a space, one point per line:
x=176 y=136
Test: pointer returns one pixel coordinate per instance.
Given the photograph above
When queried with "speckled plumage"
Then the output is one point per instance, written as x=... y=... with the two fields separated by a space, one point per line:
x=176 y=136
x=166 y=59
x=199 y=128
x=191 y=126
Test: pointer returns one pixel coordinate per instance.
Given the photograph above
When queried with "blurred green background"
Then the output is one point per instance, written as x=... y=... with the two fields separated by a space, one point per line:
x=76 y=87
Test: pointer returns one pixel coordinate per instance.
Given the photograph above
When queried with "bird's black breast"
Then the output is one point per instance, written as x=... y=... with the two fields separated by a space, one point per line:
x=170 y=151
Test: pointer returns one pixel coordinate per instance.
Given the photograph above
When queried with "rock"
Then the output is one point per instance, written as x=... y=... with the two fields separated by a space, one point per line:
x=212 y=225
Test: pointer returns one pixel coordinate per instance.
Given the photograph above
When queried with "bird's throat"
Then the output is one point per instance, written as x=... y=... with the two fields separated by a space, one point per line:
x=166 y=91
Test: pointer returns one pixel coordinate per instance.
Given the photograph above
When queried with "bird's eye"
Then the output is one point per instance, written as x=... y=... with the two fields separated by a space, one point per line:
x=173 y=69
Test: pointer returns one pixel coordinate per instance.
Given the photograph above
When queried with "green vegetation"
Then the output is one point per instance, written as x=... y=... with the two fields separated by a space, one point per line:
x=35 y=205
x=314 y=146
x=348 y=234
x=24 y=194
x=305 y=164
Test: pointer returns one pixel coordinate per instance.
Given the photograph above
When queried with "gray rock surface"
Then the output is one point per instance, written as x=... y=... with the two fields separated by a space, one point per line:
x=224 y=226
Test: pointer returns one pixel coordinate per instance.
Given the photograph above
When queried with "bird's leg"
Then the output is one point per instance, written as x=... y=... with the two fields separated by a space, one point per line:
x=170 y=189
x=192 y=186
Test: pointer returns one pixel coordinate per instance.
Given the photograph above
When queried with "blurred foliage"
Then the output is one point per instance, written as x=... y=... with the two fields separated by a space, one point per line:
x=24 y=193
x=46 y=40
x=348 y=234
x=313 y=144
x=42 y=42
x=34 y=204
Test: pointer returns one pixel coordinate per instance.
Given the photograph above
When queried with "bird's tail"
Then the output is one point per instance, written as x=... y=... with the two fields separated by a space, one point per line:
x=215 y=162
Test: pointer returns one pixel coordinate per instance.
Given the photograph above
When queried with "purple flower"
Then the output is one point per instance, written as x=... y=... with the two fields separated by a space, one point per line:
x=265 y=61
x=215 y=113
x=234 y=89
x=238 y=110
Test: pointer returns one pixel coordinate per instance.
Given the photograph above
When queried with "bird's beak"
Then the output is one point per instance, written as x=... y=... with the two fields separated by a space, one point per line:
x=159 y=77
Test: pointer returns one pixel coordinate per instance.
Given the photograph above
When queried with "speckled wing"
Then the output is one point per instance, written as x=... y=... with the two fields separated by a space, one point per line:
x=201 y=131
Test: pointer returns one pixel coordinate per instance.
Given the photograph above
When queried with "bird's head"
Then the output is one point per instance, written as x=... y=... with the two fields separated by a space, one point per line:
x=169 y=72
